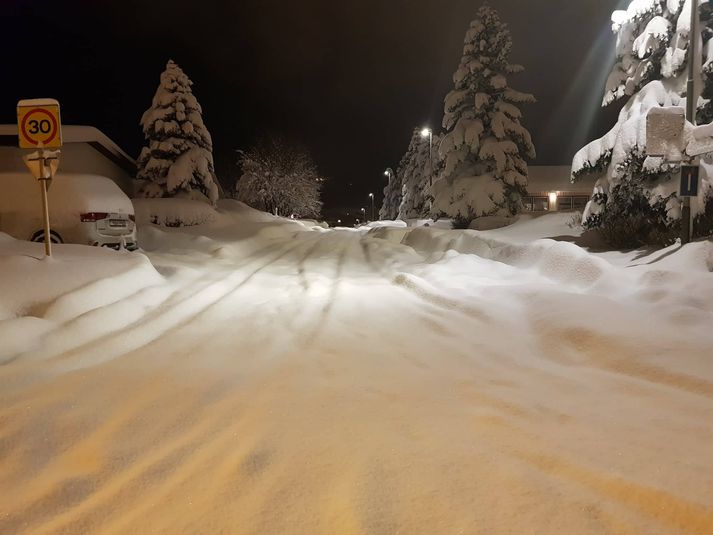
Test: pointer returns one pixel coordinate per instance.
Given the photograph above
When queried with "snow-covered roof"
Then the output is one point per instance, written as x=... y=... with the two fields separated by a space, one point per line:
x=38 y=102
x=80 y=134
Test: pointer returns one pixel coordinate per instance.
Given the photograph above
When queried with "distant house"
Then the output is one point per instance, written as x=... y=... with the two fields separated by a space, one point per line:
x=86 y=150
x=549 y=189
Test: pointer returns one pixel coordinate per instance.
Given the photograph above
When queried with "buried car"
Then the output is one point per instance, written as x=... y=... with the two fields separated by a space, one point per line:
x=84 y=209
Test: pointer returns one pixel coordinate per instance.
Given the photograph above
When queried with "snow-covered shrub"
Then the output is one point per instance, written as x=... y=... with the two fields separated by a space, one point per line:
x=575 y=220
x=652 y=56
x=173 y=212
x=280 y=179
x=703 y=222
x=179 y=155
x=459 y=222
x=629 y=218
x=485 y=146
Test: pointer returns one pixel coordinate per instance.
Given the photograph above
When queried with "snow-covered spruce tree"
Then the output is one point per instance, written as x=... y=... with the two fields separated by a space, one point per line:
x=280 y=179
x=178 y=159
x=635 y=199
x=415 y=172
x=485 y=147
x=392 y=197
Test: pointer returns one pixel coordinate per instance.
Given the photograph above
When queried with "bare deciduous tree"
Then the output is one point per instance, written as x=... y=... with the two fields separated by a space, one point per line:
x=280 y=179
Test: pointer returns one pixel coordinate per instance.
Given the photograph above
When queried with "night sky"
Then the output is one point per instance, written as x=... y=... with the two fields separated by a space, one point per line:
x=348 y=79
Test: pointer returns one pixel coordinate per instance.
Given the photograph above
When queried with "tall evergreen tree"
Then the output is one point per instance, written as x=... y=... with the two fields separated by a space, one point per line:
x=635 y=199
x=392 y=197
x=485 y=147
x=179 y=156
x=416 y=174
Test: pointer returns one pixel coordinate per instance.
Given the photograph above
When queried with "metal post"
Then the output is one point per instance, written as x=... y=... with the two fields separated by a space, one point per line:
x=690 y=109
x=430 y=157
x=45 y=205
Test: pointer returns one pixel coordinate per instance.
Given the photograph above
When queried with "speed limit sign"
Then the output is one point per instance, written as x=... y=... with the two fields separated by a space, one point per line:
x=38 y=124
x=39 y=127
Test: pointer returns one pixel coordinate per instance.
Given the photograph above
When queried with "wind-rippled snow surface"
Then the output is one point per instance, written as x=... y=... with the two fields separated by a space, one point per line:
x=259 y=376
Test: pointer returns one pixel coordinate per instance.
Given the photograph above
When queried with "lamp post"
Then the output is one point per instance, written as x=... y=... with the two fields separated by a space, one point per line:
x=371 y=196
x=428 y=133
x=363 y=214
x=690 y=108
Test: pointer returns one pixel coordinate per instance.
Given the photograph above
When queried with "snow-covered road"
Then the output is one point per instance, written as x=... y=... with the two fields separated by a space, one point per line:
x=311 y=381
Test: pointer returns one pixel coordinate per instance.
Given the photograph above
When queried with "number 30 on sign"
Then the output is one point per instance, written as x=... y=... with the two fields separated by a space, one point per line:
x=38 y=124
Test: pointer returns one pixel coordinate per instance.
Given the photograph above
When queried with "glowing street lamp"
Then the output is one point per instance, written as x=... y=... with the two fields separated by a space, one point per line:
x=363 y=214
x=371 y=196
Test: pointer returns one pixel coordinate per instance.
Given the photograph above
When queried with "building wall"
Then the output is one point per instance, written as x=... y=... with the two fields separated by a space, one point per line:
x=550 y=189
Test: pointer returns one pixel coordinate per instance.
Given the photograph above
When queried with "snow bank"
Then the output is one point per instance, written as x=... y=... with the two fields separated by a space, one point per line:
x=385 y=223
x=559 y=261
x=40 y=294
x=231 y=229
x=442 y=223
x=491 y=222
x=313 y=223
x=527 y=244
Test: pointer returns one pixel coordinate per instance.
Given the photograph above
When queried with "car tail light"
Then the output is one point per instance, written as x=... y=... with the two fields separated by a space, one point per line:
x=132 y=217
x=91 y=217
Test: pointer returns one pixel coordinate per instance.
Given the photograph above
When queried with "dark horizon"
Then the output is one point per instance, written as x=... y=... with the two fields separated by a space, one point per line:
x=348 y=81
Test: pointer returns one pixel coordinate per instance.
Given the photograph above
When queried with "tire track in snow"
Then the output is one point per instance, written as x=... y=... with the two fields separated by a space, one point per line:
x=171 y=315
x=611 y=354
x=210 y=427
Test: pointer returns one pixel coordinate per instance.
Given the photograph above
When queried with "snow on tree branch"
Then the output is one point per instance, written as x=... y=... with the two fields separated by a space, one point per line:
x=485 y=147
x=178 y=159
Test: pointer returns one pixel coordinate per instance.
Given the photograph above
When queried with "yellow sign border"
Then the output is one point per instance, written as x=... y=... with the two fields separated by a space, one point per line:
x=26 y=141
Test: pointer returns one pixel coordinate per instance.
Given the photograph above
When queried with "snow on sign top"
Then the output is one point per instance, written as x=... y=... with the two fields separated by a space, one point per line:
x=664 y=132
x=37 y=102
x=39 y=124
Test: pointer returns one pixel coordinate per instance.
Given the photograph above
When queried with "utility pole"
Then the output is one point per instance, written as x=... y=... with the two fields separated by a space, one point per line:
x=427 y=132
x=691 y=100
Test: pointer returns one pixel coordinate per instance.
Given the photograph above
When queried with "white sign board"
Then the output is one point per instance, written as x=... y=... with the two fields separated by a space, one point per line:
x=664 y=133
x=702 y=140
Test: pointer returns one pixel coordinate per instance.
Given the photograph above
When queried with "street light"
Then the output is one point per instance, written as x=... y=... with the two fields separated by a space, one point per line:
x=371 y=196
x=389 y=173
x=363 y=214
x=693 y=36
x=428 y=133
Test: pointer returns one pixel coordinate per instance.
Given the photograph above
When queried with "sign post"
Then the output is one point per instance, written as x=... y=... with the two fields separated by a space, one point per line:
x=39 y=127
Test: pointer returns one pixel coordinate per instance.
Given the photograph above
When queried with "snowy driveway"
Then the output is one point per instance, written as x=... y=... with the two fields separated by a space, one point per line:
x=337 y=382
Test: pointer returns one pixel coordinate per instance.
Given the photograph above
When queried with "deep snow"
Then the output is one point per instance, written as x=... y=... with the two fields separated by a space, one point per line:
x=261 y=375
